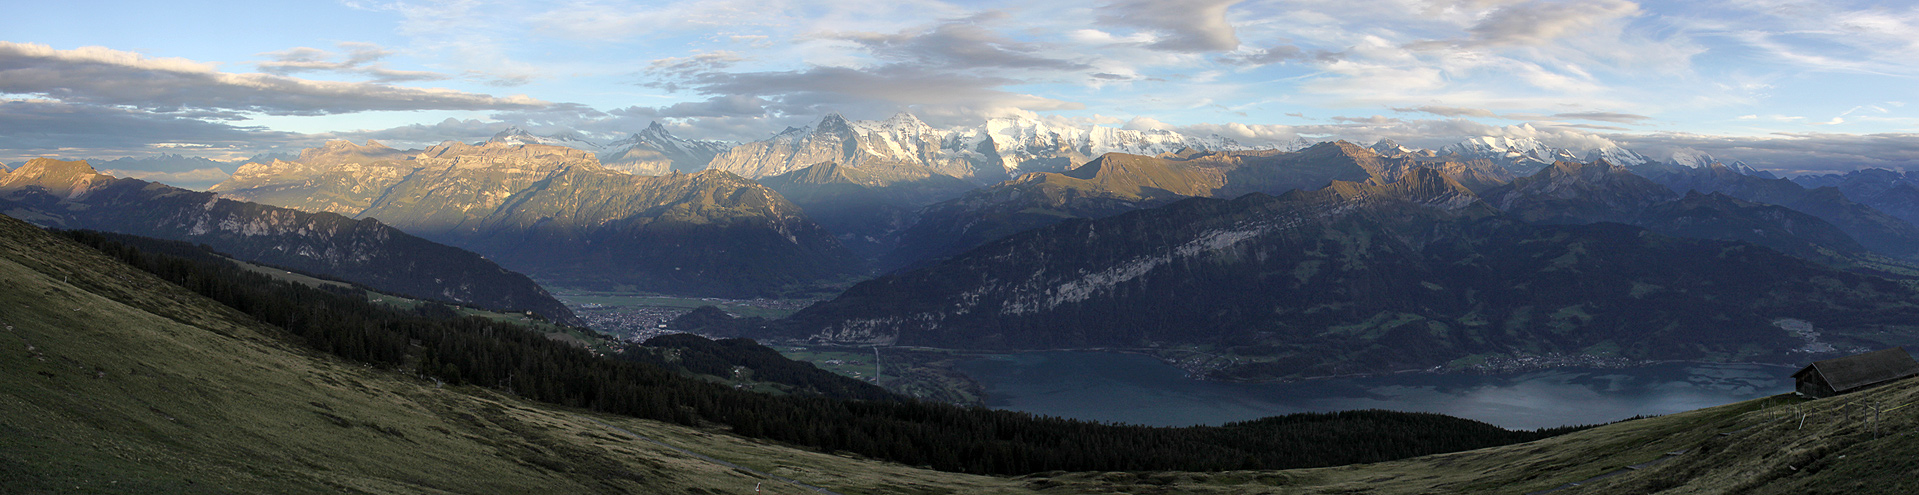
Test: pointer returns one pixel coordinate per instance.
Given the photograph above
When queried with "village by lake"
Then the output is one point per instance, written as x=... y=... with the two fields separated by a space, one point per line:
x=1139 y=389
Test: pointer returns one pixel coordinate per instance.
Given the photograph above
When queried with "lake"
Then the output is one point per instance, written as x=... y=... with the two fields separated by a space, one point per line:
x=1138 y=389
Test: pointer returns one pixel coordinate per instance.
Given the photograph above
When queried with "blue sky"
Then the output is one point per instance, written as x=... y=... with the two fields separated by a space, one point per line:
x=1784 y=85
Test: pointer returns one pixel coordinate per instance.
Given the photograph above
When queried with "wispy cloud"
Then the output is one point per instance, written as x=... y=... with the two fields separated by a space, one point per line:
x=1540 y=22
x=1185 y=26
x=360 y=59
x=1447 y=111
x=957 y=45
x=104 y=76
x=1878 y=39
x=940 y=97
x=1623 y=118
x=199 y=179
x=31 y=128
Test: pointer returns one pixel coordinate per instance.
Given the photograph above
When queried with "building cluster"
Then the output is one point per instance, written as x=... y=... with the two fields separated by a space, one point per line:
x=636 y=323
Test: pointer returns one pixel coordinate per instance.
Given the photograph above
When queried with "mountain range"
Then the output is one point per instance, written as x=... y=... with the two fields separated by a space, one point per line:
x=1116 y=182
x=1362 y=277
x=1582 y=193
x=999 y=149
x=72 y=195
x=1895 y=193
x=1876 y=230
x=554 y=213
x=898 y=193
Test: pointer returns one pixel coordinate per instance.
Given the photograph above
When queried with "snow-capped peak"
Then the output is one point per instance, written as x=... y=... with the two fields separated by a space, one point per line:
x=1522 y=155
x=994 y=149
x=1618 y=156
x=655 y=151
x=570 y=139
x=1389 y=147
x=1691 y=158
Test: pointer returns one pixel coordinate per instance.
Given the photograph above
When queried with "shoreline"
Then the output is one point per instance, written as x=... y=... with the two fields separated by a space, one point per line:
x=1520 y=364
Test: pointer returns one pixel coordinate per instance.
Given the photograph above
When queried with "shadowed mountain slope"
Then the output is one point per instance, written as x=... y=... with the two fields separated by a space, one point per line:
x=1362 y=278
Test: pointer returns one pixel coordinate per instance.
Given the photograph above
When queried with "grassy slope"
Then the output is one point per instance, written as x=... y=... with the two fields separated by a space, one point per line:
x=156 y=390
x=1756 y=447
x=114 y=382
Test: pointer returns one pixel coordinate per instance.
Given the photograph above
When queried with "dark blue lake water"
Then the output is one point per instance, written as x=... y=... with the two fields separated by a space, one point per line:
x=1132 y=388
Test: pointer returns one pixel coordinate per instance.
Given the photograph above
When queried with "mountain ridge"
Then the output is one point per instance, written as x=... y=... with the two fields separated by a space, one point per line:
x=72 y=195
x=1119 y=182
x=557 y=214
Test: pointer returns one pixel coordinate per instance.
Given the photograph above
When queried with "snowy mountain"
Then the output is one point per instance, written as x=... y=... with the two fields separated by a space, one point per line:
x=901 y=139
x=655 y=151
x=570 y=139
x=1389 y=147
x=1618 y=156
x=995 y=150
x=1692 y=158
x=1026 y=145
x=1527 y=155
x=1522 y=155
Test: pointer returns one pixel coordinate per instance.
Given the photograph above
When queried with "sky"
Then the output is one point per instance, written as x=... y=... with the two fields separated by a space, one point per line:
x=1789 y=86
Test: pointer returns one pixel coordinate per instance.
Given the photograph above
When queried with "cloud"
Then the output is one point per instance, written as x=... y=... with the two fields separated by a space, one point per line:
x=1595 y=127
x=1541 y=22
x=104 y=76
x=451 y=129
x=360 y=59
x=1373 y=120
x=1877 y=40
x=955 y=46
x=1249 y=134
x=694 y=65
x=718 y=106
x=1143 y=123
x=1623 y=118
x=1792 y=154
x=1271 y=55
x=942 y=98
x=1447 y=111
x=198 y=180
x=33 y=128
x=1185 y=26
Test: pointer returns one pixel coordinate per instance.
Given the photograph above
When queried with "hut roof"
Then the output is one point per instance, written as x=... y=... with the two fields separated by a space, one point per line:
x=1859 y=370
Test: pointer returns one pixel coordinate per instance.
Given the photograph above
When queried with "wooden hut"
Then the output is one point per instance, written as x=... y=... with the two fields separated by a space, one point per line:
x=1837 y=376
